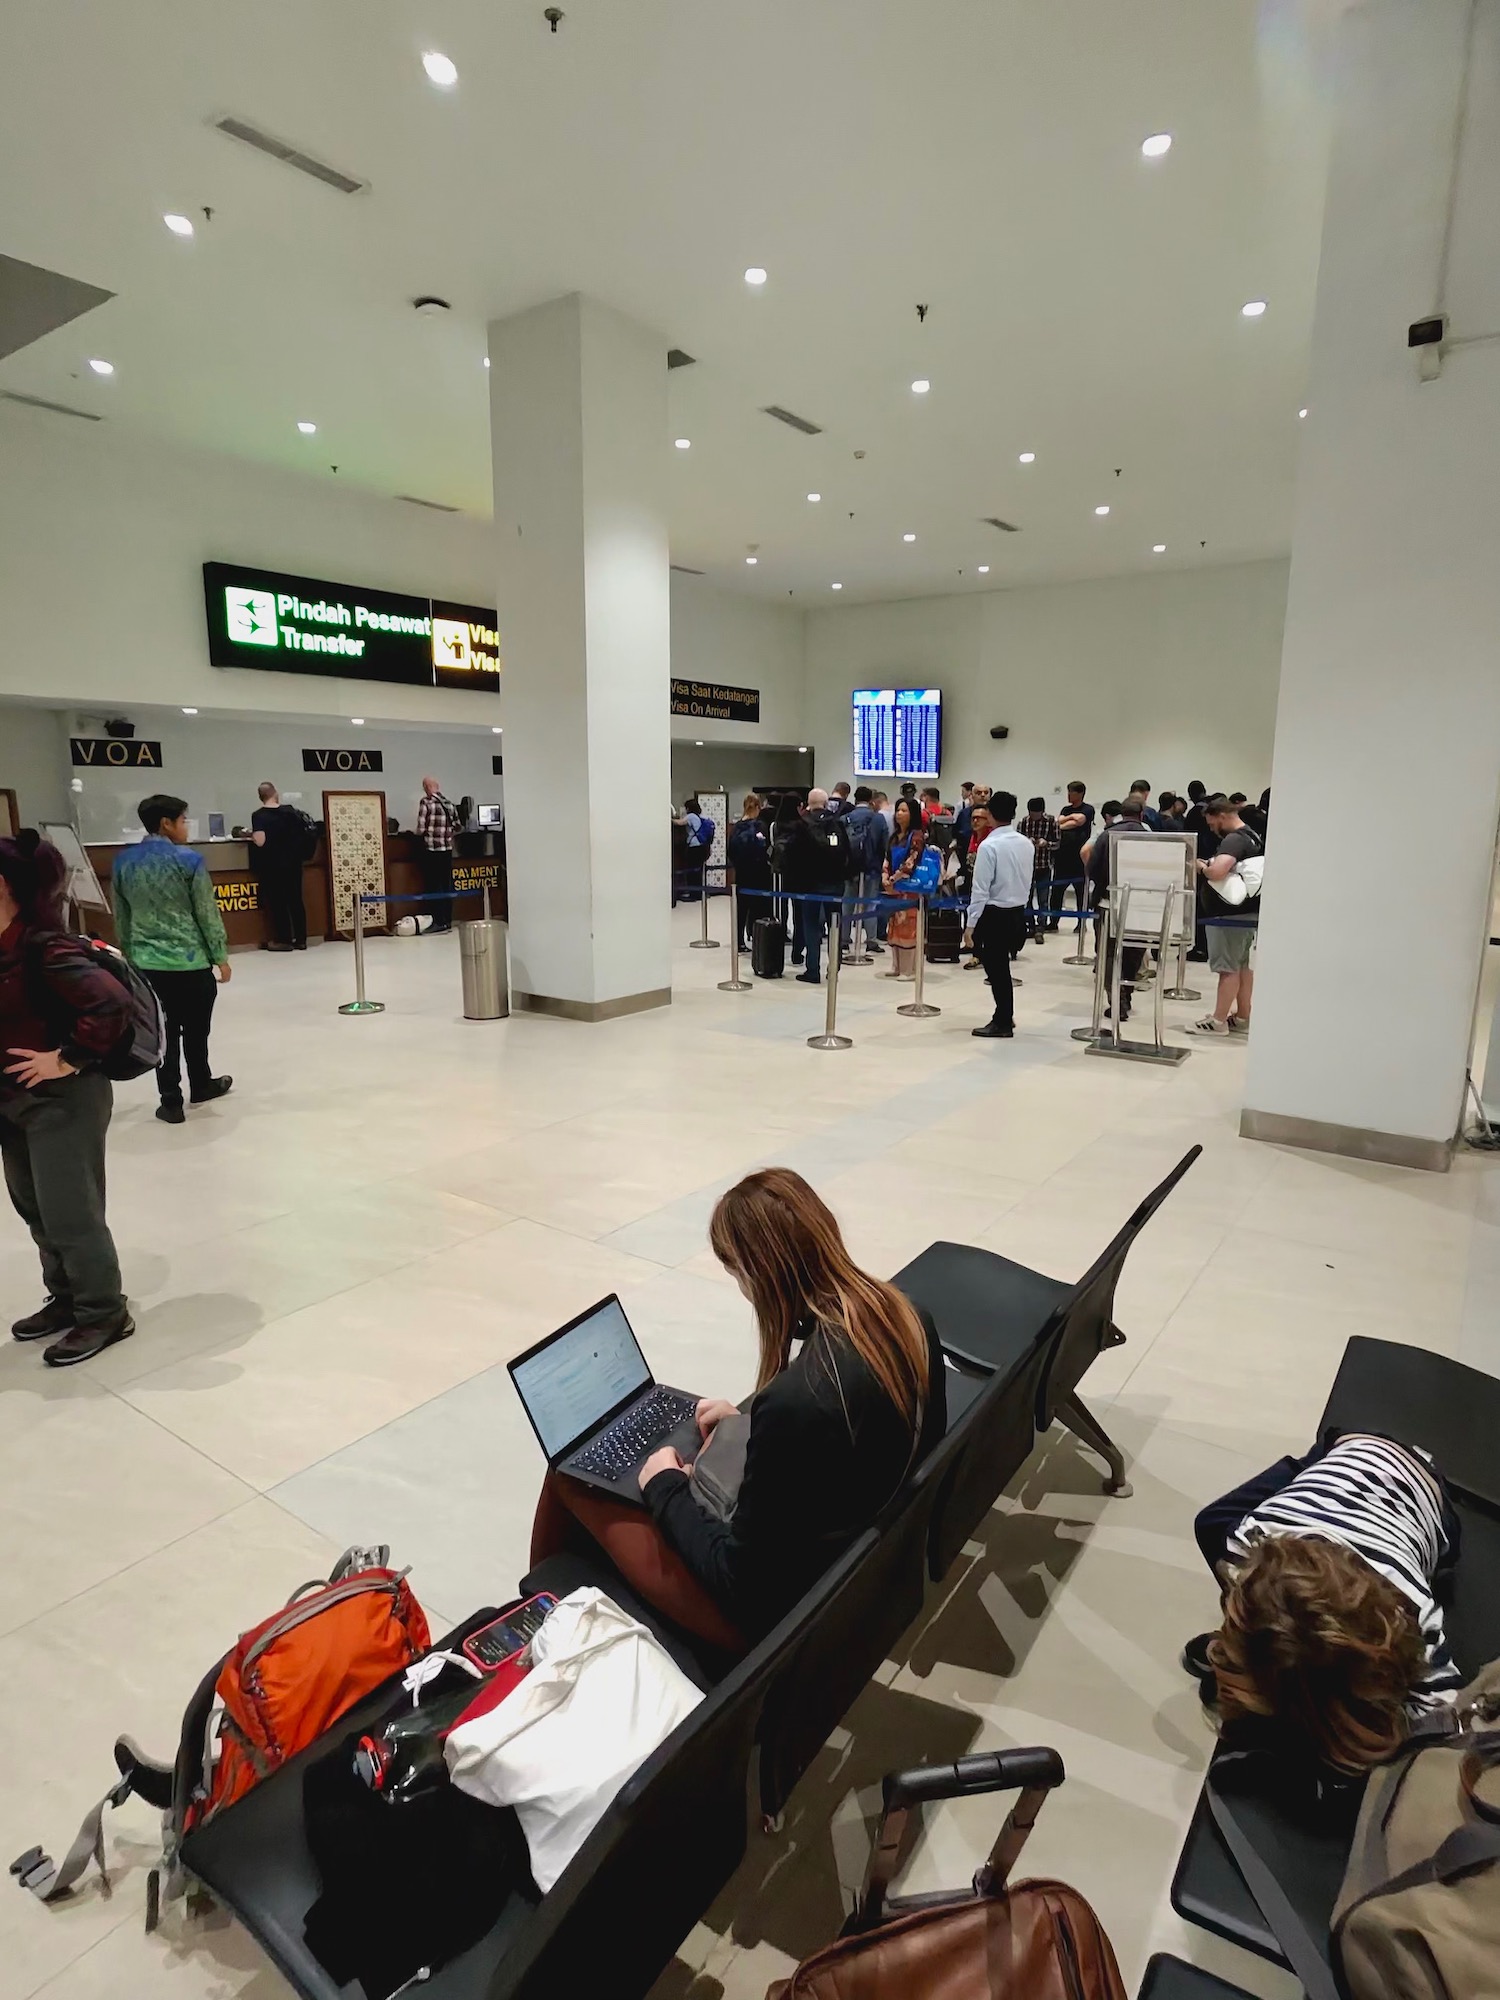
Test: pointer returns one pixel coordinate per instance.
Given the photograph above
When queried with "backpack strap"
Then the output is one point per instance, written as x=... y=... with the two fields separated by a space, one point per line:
x=1306 y=1957
x=47 y=1879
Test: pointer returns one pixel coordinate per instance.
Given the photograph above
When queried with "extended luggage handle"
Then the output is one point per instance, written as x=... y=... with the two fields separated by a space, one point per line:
x=1032 y=1772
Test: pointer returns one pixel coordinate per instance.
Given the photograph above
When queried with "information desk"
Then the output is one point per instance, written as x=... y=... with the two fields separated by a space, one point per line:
x=245 y=923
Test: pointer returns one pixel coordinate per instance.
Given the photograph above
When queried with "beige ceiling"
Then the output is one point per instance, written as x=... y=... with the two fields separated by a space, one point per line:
x=979 y=156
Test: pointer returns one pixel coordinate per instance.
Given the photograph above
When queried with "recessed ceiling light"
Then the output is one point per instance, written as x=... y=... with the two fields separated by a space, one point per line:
x=486 y=361
x=178 y=224
x=801 y=749
x=984 y=569
x=698 y=743
x=1252 y=309
x=1156 y=145
x=1101 y=511
x=752 y=560
x=357 y=721
x=920 y=386
x=306 y=428
x=815 y=498
x=441 y=70
x=1302 y=413
x=755 y=275
x=190 y=711
x=835 y=586
x=1158 y=548
x=908 y=538
x=683 y=444
x=102 y=367
x=1028 y=458
x=496 y=730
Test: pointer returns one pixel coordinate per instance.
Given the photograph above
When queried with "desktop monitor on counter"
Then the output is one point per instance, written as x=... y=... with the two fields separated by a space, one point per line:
x=489 y=815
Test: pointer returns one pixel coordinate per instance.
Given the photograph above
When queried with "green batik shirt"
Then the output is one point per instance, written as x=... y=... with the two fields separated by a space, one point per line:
x=166 y=915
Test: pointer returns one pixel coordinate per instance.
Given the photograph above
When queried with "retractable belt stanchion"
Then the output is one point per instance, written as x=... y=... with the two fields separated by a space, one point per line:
x=1100 y=961
x=1181 y=990
x=359 y=1004
x=1079 y=957
x=734 y=984
x=858 y=948
x=917 y=1008
x=829 y=1039
x=705 y=942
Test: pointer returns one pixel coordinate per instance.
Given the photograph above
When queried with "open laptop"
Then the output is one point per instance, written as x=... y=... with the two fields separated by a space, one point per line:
x=595 y=1406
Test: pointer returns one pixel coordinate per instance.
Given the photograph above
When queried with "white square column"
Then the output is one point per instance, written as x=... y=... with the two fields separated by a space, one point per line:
x=1386 y=782
x=578 y=427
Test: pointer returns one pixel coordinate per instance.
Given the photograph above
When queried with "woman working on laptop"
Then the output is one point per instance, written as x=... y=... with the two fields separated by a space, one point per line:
x=849 y=1397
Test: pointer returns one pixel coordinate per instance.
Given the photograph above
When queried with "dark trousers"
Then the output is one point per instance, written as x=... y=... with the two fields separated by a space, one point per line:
x=281 y=899
x=1039 y=910
x=1131 y=960
x=1060 y=885
x=437 y=878
x=997 y=934
x=52 y=1139
x=187 y=1003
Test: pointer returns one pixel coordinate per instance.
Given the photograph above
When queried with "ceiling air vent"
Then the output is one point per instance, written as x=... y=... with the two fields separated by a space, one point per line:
x=678 y=357
x=683 y=570
x=1005 y=527
x=290 y=156
x=437 y=506
x=58 y=409
x=790 y=417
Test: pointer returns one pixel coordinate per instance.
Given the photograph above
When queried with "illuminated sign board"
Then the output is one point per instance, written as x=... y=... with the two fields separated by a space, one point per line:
x=303 y=625
x=713 y=700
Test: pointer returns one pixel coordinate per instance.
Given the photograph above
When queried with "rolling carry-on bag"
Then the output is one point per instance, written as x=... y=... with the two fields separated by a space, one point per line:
x=1036 y=1941
x=767 y=949
x=945 y=936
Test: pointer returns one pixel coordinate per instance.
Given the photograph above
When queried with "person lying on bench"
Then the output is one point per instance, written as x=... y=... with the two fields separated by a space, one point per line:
x=1332 y=1637
x=849 y=1397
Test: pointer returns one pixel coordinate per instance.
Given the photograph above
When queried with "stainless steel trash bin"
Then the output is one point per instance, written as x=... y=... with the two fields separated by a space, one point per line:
x=481 y=953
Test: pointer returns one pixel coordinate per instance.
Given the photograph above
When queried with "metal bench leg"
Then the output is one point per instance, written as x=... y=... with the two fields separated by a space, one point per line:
x=1085 y=1425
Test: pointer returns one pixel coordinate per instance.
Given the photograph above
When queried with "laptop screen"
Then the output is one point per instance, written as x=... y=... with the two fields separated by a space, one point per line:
x=577 y=1378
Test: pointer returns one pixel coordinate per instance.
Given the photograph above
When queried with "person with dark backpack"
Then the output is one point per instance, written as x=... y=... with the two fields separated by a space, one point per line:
x=282 y=837
x=749 y=852
x=67 y=1022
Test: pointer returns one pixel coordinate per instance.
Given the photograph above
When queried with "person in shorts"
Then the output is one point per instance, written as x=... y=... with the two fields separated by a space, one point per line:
x=1231 y=945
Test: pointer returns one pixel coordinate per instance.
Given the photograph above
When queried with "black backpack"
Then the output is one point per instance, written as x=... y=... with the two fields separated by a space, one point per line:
x=140 y=1047
x=307 y=832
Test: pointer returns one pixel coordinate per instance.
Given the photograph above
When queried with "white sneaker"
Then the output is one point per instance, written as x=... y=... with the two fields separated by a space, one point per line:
x=1209 y=1026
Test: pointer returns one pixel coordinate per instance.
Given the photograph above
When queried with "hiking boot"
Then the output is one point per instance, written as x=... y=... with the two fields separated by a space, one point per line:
x=82 y=1343
x=54 y=1318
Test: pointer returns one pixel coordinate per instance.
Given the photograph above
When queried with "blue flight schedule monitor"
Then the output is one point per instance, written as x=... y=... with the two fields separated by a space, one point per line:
x=919 y=732
x=874 y=732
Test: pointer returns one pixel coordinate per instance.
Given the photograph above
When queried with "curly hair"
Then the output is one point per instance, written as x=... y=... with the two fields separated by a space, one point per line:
x=1315 y=1638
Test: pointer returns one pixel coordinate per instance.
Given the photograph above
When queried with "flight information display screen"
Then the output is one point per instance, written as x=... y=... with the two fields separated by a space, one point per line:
x=874 y=732
x=919 y=732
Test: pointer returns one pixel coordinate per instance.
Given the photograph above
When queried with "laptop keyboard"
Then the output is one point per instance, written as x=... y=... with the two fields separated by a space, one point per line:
x=635 y=1435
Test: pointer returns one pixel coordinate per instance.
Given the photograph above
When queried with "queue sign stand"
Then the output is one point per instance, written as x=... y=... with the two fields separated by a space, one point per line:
x=734 y=984
x=359 y=1004
x=918 y=1009
x=1118 y=932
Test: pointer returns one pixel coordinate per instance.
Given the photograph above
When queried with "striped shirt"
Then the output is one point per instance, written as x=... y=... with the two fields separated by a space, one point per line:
x=1378 y=1499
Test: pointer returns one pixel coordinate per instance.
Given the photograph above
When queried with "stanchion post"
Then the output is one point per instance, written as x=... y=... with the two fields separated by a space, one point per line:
x=917 y=1008
x=359 y=1004
x=1101 y=960
x=486 y=888
x=1079 y=957
x=705 y=942
x=734 y=984
x=830 y=1039
x=1182 y=991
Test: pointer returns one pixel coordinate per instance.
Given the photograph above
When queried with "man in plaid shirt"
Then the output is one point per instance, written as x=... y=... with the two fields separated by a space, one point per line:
x=1040 y=828
x=437 y=820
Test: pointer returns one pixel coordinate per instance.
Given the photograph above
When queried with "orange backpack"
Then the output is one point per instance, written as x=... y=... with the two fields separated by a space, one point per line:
x=286 y=1681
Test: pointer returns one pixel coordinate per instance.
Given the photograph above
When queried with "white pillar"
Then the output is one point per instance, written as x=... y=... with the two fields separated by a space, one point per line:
x=578 y=424
x=1387 y=766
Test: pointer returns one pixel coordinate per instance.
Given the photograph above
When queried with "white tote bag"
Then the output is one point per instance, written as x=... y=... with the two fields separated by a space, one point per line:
x=1245 y=882
x=601 y=1695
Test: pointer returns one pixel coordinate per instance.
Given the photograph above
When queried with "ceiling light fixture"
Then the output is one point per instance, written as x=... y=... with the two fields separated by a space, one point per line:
x=486 y=361
x=815 y=498
x=752 y=560
x=178 y=224
x=190 y=711
x=1252 y=309
x=908 y=538
x=496 y=730
x=755 y=275
x=683 y=444
x=984 y=569
x=698 y=743
x=1158 y=144
x=356 y=721
x=1158 y=548
x=835 y=586
x=102 y=367
x=1101 y=511
x=920 y=386
x=1028 y=458
x=441 y=70
x=801 y=749
x=1302 y=413
x=306 y=428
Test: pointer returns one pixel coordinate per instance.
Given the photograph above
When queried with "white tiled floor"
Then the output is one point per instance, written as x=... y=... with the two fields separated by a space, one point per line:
x=331 y=1266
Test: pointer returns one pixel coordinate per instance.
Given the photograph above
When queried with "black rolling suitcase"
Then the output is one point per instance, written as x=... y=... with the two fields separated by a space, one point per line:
x=945 y=936
x=767 y=948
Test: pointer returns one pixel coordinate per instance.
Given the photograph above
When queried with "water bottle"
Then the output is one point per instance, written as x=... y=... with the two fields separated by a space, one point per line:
x=404 y=1759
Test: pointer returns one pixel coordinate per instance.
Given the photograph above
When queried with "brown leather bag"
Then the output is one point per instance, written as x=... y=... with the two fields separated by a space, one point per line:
x=1038 y=1941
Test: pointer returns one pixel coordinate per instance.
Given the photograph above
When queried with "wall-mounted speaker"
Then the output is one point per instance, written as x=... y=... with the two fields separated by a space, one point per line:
x=1000 y=730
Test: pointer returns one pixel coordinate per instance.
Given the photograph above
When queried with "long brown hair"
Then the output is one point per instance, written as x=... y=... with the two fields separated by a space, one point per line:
x=783 y=1240
x=1317 y=1639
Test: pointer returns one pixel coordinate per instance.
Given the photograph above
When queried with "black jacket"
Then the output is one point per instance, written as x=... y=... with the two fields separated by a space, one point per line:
x=815 y=859
x=827 y=1450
